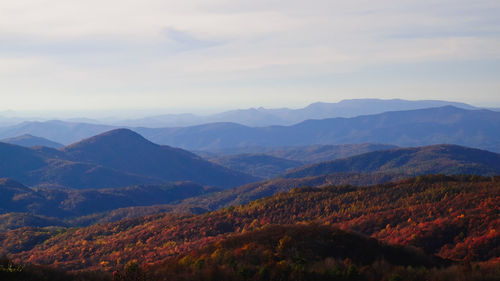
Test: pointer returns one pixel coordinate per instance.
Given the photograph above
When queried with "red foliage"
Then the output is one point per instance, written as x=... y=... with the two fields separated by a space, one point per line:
x=454 y=217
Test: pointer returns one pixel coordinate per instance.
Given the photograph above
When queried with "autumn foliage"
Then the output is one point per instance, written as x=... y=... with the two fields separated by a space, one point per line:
x=455 y=218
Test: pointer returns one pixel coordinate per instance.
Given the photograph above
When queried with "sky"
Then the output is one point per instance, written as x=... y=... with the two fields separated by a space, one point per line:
x=180 y=56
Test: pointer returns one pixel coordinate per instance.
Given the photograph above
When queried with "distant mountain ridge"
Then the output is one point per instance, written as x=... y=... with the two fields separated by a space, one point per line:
x=75 y=129
x=473 y=128
x=28 y=140
x=116 y=158
x=259 y=117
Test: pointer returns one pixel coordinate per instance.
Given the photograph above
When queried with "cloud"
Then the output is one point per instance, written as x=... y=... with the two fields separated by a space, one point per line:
x=159 y=48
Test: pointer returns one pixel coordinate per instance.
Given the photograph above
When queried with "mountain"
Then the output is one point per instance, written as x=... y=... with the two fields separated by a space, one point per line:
x=452 y=217
x=474 y=128
x=34 y=166
x=257 y=165
x=113 y=159
x=28 y=140
x=125 y=150
x=58 y=131
x=443 y=159
x=87 y=206
x=260 y=117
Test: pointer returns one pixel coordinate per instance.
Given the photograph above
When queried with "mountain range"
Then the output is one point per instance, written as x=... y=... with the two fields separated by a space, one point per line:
x=255 y=117
x=116 y=158
x=51 y=204
x=474 y=128
x=376 y=125
x=261 y=117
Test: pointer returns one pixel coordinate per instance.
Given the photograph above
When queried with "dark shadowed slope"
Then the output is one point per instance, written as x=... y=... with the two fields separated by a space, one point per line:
x=9 y=190
x=443 y=159
x=127 y=151
x=16 y=161
x=474 y=128
x=64 y=203
x=28 y=140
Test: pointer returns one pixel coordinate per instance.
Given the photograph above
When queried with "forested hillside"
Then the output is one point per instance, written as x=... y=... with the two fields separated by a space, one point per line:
x=453 y=217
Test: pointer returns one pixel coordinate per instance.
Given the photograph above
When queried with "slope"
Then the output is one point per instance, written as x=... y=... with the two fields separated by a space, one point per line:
x=18 y=201
x=443 y=159
x=291 y=252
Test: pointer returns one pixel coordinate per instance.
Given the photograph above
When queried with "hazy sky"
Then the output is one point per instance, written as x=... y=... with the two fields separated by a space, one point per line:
x=218 y=54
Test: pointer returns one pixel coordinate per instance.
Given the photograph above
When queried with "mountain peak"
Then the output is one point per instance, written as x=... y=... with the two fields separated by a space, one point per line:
x=121 y=132
x=116 y=138
x=126 y=150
